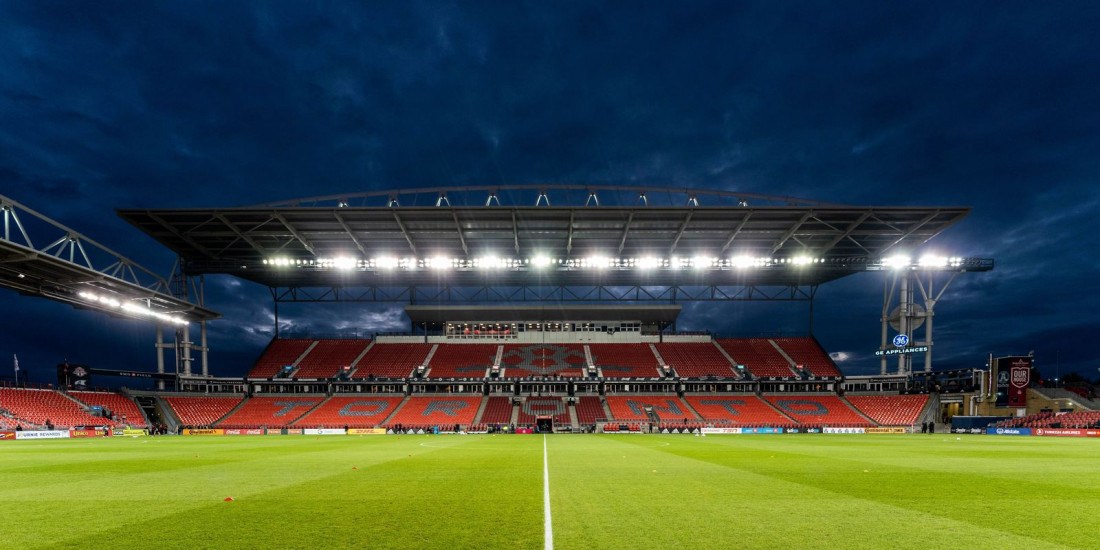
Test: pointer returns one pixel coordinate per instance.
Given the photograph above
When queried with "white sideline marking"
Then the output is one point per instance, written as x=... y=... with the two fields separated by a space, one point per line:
x=548 y=528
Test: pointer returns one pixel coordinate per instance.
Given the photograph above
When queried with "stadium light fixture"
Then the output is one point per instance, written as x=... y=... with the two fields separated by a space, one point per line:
x=933 y=261
x=438 y=262
x=133 y=308
x=742 y=262
x=597 y=262
x=387 y=262
x=649 y=262
x=897 y=262
x=344 y=263
x=702 y=262
x=540 y=261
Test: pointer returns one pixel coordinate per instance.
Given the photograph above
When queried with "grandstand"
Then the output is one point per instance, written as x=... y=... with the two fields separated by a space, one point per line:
x=625 y=360
x=760 y=356
x=329 y=357
x=535 y=407
x=696 y=359
x=590 y=411
x=891 y=410
x=120 y=408
x=352 y=412
x=391 y=360
x=280 y=354
x=819 y=410
x=647 y=408
x=498 y=411
x=274 y=412
x=428 y=412
x=1051 y=419
x=739 y=410
x=462 y=360
x=543 y=360
x=807 y=355
x=518 y=312
x=201 y=411
x=39 y=407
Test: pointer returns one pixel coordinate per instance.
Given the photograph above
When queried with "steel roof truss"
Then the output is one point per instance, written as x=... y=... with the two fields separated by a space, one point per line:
x=293 y=231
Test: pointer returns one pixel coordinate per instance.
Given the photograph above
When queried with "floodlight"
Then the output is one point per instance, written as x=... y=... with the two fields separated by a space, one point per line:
x=343 y=263
x=801 y=260
x=933 y=261
x=439 y=262
x=386 y=262
x=702 y=262
x=598 y=262
x=743 y=261
x=649 y=262
x=897 y=262
x=490 y=262
x=540 y=261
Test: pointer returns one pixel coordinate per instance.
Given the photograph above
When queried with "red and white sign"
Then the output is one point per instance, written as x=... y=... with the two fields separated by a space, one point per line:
x=1062 y=432
x=1019 y=378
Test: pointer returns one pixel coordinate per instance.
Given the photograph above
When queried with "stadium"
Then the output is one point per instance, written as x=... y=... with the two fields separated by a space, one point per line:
x=542 y=393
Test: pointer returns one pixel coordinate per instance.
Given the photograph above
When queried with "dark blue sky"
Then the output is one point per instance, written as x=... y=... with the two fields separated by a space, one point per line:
x=993 y=105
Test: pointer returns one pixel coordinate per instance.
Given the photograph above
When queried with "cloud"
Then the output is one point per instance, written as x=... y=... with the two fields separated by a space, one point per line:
x=160 y=105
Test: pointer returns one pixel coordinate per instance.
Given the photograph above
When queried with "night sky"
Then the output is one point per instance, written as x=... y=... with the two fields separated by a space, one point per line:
x=994 y=105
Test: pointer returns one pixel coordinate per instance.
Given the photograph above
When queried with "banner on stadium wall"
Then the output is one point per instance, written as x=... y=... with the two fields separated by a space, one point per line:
x=293 y=431
x=843 y=430
x=1064 y=432
x=1019 y=378
x=133 y=432
x=761 y=430
x=7 y=435
x=1008 y=431
x=1013 y=377
x=249 y=431
x=323 y=431
x=366 y=431
x=85 y=433
x=42 y=434
x=884 y=430
x=203 y=431
x=710 y=431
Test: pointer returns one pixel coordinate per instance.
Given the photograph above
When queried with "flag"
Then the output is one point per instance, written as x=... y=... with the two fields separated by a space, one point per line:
x=16 y=359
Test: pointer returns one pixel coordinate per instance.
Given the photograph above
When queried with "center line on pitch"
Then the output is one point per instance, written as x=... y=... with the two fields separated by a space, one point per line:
x=548 y=528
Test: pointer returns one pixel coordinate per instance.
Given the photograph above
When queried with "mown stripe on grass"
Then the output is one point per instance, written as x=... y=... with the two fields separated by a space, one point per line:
x=115 y=504
x=857 y=470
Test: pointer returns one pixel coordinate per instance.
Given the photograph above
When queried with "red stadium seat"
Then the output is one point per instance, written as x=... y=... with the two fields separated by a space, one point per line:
x=695 y=359
x=391 y=360
x=328 y=357
x=279 y=353
x=201 y=411
x=350 y=411
x=625 y=360
x=462 y=360
x=759 y=357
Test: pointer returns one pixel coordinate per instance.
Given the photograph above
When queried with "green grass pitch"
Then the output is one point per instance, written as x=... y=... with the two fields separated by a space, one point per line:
x=606 y=491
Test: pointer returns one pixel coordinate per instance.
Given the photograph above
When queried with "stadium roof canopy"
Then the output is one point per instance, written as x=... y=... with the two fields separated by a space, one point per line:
x=40 y=257
x=558 y=236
